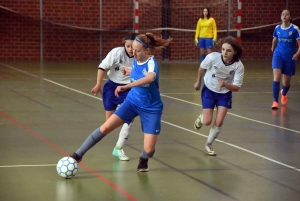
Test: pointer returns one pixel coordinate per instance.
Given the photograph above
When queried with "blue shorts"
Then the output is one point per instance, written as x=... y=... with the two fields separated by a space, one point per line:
x=288 y=67
x=205 y=43
x=150 y=120
x=212 y=99
x=110 y=101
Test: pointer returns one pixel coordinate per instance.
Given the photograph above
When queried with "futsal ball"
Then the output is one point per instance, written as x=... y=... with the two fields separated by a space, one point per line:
x=67 y=167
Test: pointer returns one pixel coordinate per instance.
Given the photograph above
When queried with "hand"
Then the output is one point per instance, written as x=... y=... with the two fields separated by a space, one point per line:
x=197 y=86
x=96 y=90
x=196 y=42
x=126 y=71
x=120 y=89
x=221 y=82
x=214 y=42
x=295 y=57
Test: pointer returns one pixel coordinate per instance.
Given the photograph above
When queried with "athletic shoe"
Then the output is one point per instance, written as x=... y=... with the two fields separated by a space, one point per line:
x=198 y=124
x=119 y=153
x=76 y=157
x=284 y=98
x=209 y=149
x=143 y=165
x=275 y=105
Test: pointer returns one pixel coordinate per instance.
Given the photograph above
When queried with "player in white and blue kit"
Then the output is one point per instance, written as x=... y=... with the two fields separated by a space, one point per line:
x=224 y=74
x=142 y=100
x=115 y=62
x=285 y=37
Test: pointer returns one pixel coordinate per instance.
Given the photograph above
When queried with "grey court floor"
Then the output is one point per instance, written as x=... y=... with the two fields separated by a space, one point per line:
x=47 y=111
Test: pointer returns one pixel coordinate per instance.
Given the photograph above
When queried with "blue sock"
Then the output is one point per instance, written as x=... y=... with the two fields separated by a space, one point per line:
x=202 y=57
x=285 y=90
x=90 y=141
x=275 y=89
x=145 y=155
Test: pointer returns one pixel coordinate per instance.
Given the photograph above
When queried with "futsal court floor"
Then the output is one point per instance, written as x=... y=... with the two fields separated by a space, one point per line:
x=47 y=111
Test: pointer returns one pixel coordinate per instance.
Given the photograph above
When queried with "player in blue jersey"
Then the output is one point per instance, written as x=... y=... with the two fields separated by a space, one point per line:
x=285 y=37
x=142 y=100
x=224 y=75
x=116 y=62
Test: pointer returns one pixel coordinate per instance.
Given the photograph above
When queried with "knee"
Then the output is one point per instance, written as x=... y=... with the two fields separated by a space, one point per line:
x=206 y=121
x=104 y=129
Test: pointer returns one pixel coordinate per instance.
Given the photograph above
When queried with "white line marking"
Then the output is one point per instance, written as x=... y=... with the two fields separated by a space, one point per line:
x=235 y=146
x=261 y=122
x=246 y=150
x=11 y=166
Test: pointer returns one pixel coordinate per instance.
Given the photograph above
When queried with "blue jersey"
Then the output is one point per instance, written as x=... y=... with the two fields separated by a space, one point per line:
x=286 y=41
x=146 y=97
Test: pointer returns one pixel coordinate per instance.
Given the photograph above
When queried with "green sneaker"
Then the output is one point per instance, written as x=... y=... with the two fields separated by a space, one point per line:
x=119 y=153
x=198 y=124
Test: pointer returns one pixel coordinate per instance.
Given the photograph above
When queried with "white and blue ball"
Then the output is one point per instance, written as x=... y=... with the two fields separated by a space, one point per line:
x=67 y=167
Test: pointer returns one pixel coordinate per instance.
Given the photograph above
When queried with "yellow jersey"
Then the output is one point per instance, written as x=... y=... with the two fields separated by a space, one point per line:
x=206 y=28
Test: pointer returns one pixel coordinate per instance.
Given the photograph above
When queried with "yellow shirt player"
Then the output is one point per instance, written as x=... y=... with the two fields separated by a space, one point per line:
x=206 y=34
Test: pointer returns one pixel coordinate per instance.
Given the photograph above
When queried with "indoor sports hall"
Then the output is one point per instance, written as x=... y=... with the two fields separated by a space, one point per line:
x=50 y=52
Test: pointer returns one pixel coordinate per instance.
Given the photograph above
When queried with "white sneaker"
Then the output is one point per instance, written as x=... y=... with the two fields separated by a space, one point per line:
x=120 y=154
x=209 y=149
x=198 y=124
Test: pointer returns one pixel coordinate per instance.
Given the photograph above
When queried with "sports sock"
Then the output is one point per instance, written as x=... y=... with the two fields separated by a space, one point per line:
x=124 y=134
x=145 y=155
x=202 y=57
x=275 y=89
x=213 y=134
x=90 y=141
x=285 y=90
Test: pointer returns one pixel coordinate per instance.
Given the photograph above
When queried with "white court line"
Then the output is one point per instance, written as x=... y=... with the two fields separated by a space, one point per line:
x=246 y=150
x=11 y=166
x=261 y=122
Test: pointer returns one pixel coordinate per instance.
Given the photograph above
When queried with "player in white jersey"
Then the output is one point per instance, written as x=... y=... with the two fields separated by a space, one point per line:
x=224 y=75
x=116 y=62
x=142 y=100
x=285 y=37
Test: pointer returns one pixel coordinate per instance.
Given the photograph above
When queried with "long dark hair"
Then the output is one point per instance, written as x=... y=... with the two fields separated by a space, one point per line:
x=130 y=36
x=208 y=13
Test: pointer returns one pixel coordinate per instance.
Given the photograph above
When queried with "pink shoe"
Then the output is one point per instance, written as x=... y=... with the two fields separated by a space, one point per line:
x=275 y=105
x=284 y=98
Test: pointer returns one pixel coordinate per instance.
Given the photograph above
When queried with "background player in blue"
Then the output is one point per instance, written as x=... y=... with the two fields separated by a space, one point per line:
x=142 y=100
x=115 y=62
x=284 y=41
x=224 y=74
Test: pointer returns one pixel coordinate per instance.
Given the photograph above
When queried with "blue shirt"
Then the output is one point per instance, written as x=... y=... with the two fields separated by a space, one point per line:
x=286 y=44
x=147 y=97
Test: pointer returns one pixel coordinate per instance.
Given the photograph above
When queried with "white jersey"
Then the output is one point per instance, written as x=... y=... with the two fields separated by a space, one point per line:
x=114 y=61
x=216 y=68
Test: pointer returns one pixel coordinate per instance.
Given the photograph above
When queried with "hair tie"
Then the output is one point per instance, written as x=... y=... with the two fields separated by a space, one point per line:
x=139 y=40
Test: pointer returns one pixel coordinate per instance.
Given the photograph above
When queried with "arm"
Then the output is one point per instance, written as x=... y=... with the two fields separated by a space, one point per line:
x=230 y=87
x=297 y=55
x=215 y=30
x=97 y=87
x=199 y=77
x=274 y=44
x=197 y=34
x=150 y=77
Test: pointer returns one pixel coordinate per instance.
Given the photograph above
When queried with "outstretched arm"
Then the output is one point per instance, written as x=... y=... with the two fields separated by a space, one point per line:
x=297 y=55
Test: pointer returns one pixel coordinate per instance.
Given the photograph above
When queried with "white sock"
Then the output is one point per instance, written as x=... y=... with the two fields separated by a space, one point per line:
x=213 y=134
x=124 y=134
